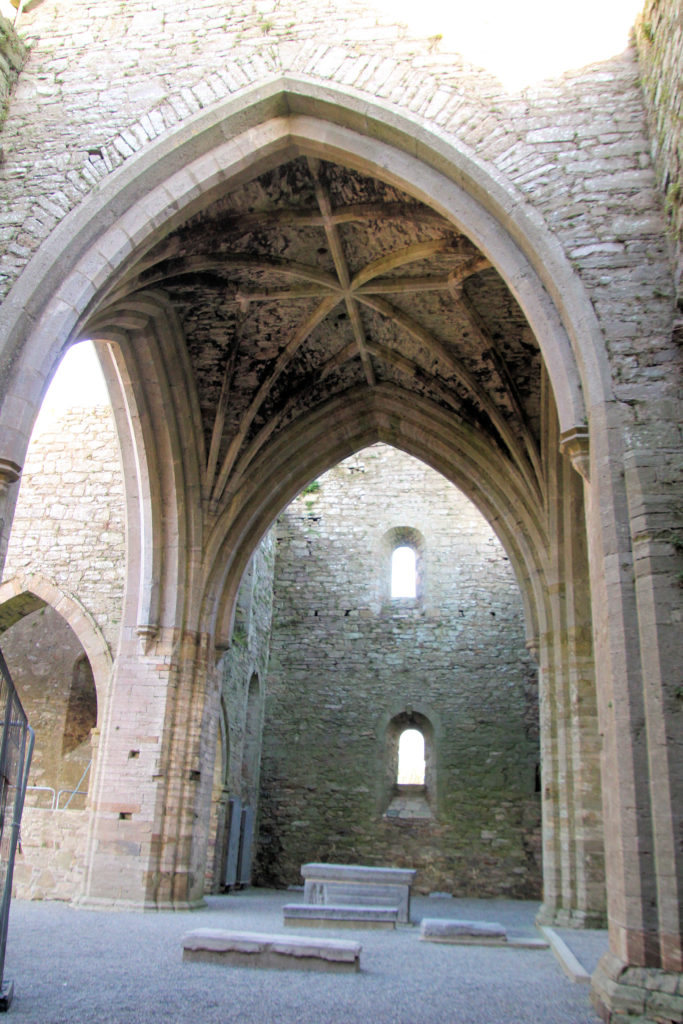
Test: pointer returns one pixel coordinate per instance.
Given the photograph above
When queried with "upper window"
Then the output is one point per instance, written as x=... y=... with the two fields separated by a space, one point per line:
x=403 y=572
x=401 y=577
x=411 y=758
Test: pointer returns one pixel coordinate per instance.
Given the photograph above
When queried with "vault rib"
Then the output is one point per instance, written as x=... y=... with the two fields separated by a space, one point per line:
x=341 y=266
x=295 y=342
x=439 y=351
x=219 y=421
x=399 y=258
x=201 y=264
x=480 y=330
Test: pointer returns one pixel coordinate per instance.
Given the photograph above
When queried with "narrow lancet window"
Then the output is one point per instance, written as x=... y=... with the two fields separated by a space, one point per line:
x=411 y=758
x=403 y=572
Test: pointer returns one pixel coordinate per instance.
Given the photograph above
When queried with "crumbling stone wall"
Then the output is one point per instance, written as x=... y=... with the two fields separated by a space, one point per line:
x=244 y=669
x=45 y=659
x=346 y=659
x=70 y=520
x=12 y=56
x=659 y=34
x=51 y=863
x=70 y=529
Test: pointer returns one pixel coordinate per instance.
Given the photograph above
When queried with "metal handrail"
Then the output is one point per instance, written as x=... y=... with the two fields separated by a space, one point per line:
x=45 y=789
x=16 y=748
x=74 y=792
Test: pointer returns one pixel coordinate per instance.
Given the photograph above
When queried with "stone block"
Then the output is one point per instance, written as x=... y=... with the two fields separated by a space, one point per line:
x=281 y=952
x=346 y=916
x=358 y=885
x=464 y=933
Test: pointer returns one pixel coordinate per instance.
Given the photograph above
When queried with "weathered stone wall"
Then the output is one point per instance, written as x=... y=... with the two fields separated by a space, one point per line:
x=70 y=530
x=345 y=659
x=69 y=524
x=51 y=862
x=44 y=655
x=659 y=34
x=244 y=671
x=12 y=56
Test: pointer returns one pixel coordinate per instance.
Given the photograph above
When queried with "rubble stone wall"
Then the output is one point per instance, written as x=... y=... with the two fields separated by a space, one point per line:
x=12 y=56
x=659 y=34
x=69 y=523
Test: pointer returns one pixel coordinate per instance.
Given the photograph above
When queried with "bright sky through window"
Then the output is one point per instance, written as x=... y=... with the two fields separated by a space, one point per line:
x=411 y=758
x=403 y=575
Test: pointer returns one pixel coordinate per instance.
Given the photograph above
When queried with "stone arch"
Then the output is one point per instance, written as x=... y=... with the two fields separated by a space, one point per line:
x=253 y=721
x=160 y=459
x=63 y=290
x=81 y=710
x=392 y=730
x=27 y=592
x=73 y=269
x=424 y=431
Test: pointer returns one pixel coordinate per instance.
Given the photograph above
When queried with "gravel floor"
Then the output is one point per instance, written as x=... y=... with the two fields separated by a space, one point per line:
x=587 y=945
x=75 y=967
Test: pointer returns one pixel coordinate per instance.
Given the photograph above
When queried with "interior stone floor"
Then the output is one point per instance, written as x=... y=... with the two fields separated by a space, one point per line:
x=80 y=966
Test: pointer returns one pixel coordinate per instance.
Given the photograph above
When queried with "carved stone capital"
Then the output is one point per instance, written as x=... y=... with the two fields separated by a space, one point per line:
x=575 y=444
x=532 y=647
x=9 y=474
x=147 y=632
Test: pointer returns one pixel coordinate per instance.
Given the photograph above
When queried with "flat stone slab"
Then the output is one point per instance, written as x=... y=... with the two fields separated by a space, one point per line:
x=281 y=952
x=359 y=885
x=480 y=933
x=346 y=916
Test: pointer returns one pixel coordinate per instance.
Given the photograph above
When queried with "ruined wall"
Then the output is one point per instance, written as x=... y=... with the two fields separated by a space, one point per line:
x=12 y=56
x=345 y=659
x=70 y=529
x=57 y=692
x=244 y=671
x=70 y=520
x=103 y=83
x=51 y=862
x=659 y=34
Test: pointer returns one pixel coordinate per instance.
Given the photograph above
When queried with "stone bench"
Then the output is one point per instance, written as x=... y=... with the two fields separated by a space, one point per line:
x=331 y=916
x=357 y=885
x=282 y=952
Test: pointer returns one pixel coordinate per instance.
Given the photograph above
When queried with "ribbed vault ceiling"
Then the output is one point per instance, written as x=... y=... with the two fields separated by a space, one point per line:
x=314 y=279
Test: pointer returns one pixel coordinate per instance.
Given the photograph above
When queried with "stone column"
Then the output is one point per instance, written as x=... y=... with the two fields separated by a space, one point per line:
x=573 y=872
x=152 y=793
x=633 y=586
x=9 y=490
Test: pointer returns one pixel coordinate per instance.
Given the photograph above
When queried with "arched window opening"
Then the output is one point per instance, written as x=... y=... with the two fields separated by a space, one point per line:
x=81 y=708
x=411 y=758
x=401 y=570
x=404 y=572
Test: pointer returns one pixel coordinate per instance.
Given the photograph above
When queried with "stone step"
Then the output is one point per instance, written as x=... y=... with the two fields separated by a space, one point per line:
x=338 y=916
x=281 y=952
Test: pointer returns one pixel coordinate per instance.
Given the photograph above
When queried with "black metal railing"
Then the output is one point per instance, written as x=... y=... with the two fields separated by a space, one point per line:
x=16 y=748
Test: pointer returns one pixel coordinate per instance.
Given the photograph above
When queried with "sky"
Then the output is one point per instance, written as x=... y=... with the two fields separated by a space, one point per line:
x=524 y=41
x=78 y=382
